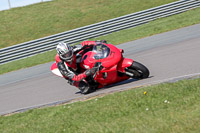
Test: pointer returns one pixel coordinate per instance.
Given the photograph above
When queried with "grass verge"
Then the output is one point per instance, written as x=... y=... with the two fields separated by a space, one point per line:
x=169 y=107
x=158 y=26
x=43 y=19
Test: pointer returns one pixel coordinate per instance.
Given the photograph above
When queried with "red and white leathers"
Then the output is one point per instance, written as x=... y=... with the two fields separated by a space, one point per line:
x=70 y=69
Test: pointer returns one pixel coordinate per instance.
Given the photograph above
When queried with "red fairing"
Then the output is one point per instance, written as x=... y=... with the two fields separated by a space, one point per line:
x=111 y=76
x=88 y=43
x=90 y=60
x=113 y=58
x=55 y=70
x=125 y=62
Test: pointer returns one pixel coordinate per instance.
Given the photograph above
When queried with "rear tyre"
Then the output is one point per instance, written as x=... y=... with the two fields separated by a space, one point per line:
x=138 y=70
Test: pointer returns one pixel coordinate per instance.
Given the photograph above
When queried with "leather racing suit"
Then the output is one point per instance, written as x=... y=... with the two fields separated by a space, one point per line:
x=71 y=70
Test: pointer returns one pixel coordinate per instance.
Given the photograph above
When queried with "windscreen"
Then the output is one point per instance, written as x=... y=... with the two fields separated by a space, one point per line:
x=101 y=50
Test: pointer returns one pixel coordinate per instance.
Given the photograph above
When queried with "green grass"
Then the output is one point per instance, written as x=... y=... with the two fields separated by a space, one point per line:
x=158 y=26
x=166 y=108
x=39 y=20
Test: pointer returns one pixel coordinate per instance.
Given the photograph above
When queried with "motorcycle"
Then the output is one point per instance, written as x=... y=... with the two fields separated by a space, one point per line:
x=112 y=66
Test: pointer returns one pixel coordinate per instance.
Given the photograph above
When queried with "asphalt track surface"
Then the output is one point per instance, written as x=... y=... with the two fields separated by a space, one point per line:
x=169 y=56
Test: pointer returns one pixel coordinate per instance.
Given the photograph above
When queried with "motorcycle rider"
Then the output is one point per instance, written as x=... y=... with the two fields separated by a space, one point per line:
x=68 y=63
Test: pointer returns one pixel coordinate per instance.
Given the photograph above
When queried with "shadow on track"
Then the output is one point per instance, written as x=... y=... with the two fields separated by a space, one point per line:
x=116 y=84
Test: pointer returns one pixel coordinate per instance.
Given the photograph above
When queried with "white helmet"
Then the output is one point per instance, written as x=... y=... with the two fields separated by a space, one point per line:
x=64 y=51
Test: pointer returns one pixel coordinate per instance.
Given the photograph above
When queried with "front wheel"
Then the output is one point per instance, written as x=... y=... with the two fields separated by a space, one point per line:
x=138 y=70
x=88 y=87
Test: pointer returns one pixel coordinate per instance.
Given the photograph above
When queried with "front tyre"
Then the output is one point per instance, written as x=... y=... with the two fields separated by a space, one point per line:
x=87 y=88
x=138 y=70
x=84 y=87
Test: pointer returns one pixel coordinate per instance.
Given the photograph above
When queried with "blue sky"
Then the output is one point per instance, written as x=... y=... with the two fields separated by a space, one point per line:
x=16 y=3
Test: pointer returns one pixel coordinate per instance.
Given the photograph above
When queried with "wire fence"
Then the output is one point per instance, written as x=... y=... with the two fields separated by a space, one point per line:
x=41 y=45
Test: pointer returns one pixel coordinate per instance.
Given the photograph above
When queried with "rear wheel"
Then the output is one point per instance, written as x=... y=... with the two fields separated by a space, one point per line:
x=138 y=70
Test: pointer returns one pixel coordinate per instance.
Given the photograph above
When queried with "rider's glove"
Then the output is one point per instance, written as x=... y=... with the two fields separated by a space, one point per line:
x=97 y=66
x=91 y=71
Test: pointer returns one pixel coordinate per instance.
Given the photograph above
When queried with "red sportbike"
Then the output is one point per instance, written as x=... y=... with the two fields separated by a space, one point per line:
x=113 y=67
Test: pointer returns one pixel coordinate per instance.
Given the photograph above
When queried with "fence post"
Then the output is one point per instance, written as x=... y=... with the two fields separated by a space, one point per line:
x=9 y=4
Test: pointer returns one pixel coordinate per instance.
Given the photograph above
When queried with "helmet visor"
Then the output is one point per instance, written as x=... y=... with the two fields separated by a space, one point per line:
x=68 y=55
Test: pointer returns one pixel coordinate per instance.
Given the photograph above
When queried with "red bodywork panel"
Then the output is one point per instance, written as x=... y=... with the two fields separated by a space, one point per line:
x=113 y=58
x=112 y=76
x=112 y=64
x=88 y=43
x=125 y=62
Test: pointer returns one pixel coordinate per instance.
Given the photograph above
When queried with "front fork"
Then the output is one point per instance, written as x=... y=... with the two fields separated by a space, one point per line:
x=128 y=72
